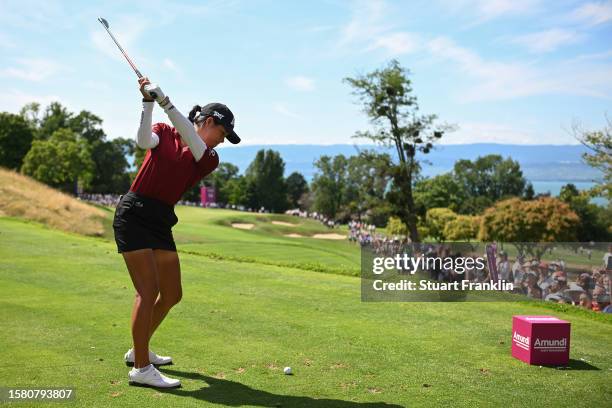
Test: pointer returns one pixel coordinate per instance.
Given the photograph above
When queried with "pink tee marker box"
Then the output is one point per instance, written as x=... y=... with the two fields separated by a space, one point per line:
x=542 y=340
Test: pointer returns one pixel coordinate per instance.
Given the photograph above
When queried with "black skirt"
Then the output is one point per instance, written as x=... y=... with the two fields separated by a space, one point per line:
x=142 y=222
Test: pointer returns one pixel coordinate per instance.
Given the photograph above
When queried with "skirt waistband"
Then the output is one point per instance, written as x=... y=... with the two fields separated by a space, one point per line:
x=151 y=201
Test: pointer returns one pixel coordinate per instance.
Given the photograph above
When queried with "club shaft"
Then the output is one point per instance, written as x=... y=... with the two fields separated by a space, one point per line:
x=123 y=52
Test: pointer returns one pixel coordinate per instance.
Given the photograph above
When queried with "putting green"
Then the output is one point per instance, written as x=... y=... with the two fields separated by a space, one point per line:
x=66 y=303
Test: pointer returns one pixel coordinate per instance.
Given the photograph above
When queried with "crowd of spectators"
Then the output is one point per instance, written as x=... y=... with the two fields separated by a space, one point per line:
x=553 y=282
x=548 y=281
x=100 y=199
x=328 y=222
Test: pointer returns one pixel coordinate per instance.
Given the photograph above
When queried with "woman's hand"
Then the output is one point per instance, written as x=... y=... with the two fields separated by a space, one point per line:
x=142 y=82
x=152 y=92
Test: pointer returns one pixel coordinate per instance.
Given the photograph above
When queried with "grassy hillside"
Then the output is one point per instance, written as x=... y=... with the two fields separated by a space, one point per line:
x=23 y=197
x=67 y=298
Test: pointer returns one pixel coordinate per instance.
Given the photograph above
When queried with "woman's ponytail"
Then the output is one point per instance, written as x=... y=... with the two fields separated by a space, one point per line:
x=193 y=113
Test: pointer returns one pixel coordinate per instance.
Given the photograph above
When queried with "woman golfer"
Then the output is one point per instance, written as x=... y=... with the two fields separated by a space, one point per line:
x=176 y=159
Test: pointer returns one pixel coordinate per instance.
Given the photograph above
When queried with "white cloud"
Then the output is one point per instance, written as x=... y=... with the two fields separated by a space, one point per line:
x=300 y=83
x=490 y=9
x=547 y=41
x=486 y=10
x=594 y=13
x=32 y=69
x=397 y=43
x=283 y=110
x=502 y=81
x=13 y=100
x=366 y=23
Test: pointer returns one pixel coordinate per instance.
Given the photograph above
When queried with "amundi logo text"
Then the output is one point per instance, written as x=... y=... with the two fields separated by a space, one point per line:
x=550 y=344
x=521 y=339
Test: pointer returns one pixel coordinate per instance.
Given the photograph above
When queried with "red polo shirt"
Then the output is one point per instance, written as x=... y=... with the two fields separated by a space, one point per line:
x=168 y=170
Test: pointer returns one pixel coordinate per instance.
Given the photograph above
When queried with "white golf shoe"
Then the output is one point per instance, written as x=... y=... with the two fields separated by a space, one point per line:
x=153 y=359
x=151 y=378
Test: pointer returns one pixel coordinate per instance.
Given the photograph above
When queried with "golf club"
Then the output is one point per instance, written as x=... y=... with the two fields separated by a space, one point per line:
x=106 y=27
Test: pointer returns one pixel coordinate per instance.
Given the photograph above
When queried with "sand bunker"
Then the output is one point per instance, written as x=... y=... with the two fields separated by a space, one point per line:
x=285 y=224
x=329 y=236
x=294 y=235
x=242 y=226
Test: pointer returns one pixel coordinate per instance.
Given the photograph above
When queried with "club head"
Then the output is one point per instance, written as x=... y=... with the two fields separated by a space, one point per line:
x=103 y=22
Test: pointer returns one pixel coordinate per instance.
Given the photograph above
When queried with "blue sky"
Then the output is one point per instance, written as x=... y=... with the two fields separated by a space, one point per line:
x=504 y=71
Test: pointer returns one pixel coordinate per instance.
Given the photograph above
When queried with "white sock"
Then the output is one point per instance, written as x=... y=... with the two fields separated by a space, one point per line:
x=145 y=368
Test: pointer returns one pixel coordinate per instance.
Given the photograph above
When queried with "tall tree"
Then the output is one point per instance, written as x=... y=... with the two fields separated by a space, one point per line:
x=599 y=156
x=368 y=179
x=15 y=140
x=265 y=179
x=110 y=165
x=88 y=126
x=594 y=220
x=296 y=186
x=329 y=184
x=389 y=103
x=55 y=117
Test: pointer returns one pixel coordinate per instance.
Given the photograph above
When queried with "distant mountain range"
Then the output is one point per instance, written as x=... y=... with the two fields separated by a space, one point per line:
x=558 y=163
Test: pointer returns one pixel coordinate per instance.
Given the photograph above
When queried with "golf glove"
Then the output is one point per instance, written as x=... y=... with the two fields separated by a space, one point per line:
x=155 y=92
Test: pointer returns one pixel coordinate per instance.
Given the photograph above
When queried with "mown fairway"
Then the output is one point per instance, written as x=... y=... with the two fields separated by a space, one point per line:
x=256 y=301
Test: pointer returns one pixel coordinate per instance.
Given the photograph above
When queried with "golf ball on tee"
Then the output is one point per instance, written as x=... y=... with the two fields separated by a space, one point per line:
x=287 y=370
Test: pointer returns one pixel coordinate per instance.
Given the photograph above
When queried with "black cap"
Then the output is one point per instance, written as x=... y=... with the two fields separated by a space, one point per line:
x=224 y=116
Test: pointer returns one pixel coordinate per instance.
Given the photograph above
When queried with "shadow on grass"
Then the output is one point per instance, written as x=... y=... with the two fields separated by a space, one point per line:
x=233 y=393
x=576 y=365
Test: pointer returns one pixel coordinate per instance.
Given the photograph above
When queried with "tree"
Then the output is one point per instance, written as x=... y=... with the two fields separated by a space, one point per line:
x=88 y=126
x=368 y=180
x=54 y=118
x=544 y=220
x=395 y=227
x=594 y=221
x=529 y=193
x=439 y=191
x=329 y=184
x=220 y=179
x=296 y=187
x=599 y=143
x=265 y=182
x=111 y=169
x=388 y=102
x=110 y=165
x=15 y=140
x=238 y=192
x=436 y=220
x=486 y=180
x=31 y=114
x=462 y=228
x=61 y=162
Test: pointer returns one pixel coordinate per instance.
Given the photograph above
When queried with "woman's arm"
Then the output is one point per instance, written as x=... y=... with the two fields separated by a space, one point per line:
x=181 y=123
x=186 y=131
x=145 y=139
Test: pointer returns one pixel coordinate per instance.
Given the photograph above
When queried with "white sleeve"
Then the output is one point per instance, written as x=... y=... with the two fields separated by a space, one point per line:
x=186 y=131
x=145 y=139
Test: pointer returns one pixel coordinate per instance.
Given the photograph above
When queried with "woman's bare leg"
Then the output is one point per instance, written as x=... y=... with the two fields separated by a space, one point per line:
x=143 y=271
x=170 y=289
